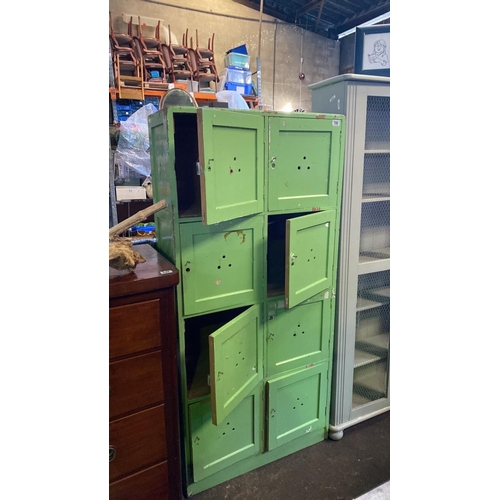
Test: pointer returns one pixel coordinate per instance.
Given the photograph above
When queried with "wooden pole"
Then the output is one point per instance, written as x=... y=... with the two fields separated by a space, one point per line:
x=260 y=25
x=258 y=57
x=136 y=218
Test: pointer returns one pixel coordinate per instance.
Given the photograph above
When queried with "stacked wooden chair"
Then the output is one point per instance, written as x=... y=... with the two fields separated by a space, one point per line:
x=153 y=62
x=127 y=65
x=203 y=61
x=177 y=59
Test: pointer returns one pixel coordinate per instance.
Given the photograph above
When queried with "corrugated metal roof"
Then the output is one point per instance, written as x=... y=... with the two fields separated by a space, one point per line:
x=328 y=18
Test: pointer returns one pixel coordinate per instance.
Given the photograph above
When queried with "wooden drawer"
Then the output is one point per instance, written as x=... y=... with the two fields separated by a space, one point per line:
x=139 y=441
x=149 y=484
x=134 y=328
x=135 y=383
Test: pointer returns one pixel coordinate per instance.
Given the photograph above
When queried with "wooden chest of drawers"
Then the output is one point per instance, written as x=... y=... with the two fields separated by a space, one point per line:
x=144 y=442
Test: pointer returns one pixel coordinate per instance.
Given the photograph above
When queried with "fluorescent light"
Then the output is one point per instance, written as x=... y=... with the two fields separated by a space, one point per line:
x=375 y=20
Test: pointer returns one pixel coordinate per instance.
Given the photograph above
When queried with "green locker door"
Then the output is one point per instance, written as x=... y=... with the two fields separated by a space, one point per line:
x=305 y=160
x=216 y=447
x=299 y=336
x=308 y=256
x=222 y=265
x=296 y=405
x=231 y=151
x=236 y=361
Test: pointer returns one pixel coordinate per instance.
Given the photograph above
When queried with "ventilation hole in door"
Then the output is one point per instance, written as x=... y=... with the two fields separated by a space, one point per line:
x=188 y=269
x=303 y=333
x=223 y=256
x=231 y=170
x=294 y=334
x=298 y=168
x=239 y=170
x=218 y=267
x=308 y=168
x=234 y=158
x=229 y=265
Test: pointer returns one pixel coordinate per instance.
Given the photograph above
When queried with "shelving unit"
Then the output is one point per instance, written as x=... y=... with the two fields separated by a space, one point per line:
x=253 y=228
x=202 y=98
x=360 y=386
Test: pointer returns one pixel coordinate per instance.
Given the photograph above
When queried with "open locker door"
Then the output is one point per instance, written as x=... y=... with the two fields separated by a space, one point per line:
x=309 y=256
x=236 y=361
x=231 y=152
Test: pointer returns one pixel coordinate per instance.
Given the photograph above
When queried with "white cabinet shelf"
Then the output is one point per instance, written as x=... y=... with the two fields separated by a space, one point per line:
x=376 y=151
x=370 y=198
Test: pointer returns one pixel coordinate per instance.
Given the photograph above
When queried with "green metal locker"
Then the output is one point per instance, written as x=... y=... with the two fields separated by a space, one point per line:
x=252 y=222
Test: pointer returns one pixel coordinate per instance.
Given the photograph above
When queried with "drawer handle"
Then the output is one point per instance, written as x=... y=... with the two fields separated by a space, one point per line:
x=112 y=452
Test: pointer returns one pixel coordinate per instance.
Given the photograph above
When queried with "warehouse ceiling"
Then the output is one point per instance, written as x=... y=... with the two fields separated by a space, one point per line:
x=328 y=18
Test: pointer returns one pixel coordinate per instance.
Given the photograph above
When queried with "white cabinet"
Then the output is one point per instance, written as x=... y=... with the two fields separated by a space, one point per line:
x=360 y=384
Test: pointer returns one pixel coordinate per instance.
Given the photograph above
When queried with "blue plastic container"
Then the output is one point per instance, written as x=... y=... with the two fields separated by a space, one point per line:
x=241 y=49
x=237 y=75
x=235 y=60
x=241 y=88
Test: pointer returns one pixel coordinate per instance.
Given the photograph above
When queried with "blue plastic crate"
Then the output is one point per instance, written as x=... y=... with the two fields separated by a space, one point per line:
x=123 y=107
x=241 y=88
x=153 y=100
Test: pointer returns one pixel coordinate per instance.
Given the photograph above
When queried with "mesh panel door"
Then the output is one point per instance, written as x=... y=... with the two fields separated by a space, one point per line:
x=371 y=359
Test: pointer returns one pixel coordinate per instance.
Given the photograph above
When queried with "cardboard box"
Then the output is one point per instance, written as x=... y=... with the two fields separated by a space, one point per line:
x=130 y=193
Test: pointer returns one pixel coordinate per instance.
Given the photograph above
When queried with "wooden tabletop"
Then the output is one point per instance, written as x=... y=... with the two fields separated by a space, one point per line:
x=156 y=273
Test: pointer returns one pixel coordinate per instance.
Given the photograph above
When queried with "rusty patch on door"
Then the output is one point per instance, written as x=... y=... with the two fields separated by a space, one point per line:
x=239 y=233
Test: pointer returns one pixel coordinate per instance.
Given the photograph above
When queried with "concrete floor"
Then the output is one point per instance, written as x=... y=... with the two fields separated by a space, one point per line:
x=330 y=470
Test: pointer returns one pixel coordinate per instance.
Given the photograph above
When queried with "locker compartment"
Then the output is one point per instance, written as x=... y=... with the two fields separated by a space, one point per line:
x=213 y=448
x=213 y=160
x=276 y=248
x=223 y=265
x=304 y=157
x=186 y=159
x=296 y=405
x=224 y=357
x=299 y=336
x=299 y=255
